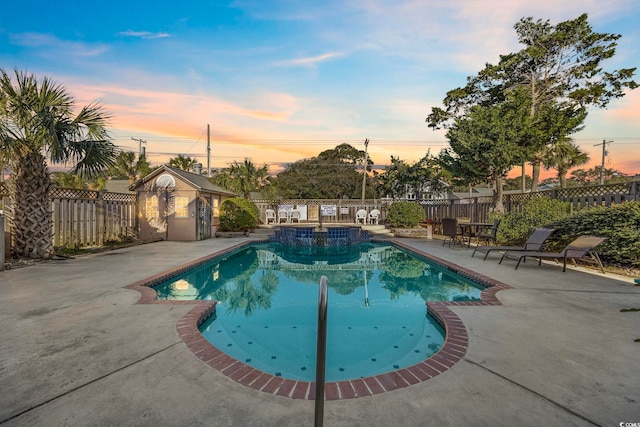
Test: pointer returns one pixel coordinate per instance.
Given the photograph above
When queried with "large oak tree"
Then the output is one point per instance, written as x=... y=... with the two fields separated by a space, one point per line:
x=560 y=65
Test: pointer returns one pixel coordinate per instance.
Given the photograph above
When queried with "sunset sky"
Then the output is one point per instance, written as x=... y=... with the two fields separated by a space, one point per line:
x=282 y=80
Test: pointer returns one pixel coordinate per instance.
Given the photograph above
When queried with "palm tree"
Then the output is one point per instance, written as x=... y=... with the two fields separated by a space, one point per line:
x=563 y=156
x=127 y=167
x=242 y=178
x=185 y=163
x=247 y=177
x=37 y=117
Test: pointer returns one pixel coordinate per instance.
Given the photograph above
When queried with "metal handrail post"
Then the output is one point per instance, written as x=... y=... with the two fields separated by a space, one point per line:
x=321 y=351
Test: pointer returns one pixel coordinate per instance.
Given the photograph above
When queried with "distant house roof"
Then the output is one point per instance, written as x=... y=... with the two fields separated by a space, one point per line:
x=118 y=186
x=475 y=192
x=200 y=182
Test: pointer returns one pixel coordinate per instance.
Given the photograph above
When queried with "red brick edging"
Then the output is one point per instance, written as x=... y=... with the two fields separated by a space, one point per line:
x=454 y=348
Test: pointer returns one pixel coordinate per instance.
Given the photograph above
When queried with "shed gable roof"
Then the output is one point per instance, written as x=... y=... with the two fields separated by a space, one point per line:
x=199 y=182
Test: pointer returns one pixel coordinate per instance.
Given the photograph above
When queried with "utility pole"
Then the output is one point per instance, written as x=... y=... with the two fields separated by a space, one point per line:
x=208 y=152
x=141 y=151
x=366 y=163
x=604 y=154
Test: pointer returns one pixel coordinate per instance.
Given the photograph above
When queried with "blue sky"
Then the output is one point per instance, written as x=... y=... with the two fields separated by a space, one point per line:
x=282 y=80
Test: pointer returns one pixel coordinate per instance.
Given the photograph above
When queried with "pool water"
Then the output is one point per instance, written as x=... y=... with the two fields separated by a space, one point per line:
x=267 y=308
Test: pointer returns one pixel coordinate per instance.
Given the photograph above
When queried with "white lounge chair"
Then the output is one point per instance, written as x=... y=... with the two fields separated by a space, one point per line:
x=361 y=216
x=269 y=216
x=295 y=216
x=374 y=216
x=283 y=216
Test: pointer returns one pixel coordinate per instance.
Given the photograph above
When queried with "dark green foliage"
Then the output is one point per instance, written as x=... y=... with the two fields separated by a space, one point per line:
x=404 y=266
x=517 y=225
x=620 y=224
x=238 y=214
x=406 y=214
x=423 y=175
x=335 y=173
x=561 y=71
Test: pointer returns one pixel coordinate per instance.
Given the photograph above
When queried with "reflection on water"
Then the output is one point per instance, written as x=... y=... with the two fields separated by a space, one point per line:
x=248 y=279
x=268 y=300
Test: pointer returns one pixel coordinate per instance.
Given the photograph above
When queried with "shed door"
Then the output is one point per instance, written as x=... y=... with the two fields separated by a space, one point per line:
x=204 y=218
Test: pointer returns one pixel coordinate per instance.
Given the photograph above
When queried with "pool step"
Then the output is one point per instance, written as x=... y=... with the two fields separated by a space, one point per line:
x=377 y=230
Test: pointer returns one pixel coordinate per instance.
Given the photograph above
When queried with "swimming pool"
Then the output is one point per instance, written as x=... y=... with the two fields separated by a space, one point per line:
x=267 y=307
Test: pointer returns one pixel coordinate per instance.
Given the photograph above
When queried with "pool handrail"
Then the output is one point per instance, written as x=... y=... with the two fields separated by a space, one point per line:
x=321 y=351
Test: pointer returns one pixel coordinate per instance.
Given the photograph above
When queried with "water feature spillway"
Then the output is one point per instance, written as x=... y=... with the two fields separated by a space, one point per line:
x=320 y=236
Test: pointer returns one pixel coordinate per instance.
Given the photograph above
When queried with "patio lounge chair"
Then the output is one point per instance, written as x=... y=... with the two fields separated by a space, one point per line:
x=295 y=216
x=269 y=216
x=374 y=216
x=284 y=216
x=577 y=249
x=534 y=243
x=451 y=231
x=361 y=216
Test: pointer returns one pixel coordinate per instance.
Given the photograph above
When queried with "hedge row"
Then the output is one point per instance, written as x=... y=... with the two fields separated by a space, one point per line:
x=620 y=224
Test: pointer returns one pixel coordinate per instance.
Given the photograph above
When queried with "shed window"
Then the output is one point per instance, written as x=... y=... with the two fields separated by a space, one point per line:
x=182 y=206
x=216 y=206
x=151 y=207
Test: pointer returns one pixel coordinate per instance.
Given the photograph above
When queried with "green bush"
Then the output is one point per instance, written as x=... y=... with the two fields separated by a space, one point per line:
x=406 y=214
x=517 y=225
x=620 y=224
x=238 y=214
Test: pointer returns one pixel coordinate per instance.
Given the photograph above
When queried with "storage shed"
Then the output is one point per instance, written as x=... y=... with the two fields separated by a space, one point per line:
x=174 y=204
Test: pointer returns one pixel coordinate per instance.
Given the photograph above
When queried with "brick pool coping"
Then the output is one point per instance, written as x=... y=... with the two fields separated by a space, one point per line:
x=454 y=348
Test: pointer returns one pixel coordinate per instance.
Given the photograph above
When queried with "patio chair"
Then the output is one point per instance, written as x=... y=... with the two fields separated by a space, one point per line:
x=579 y=248
x=361 y=216
x=535 y=242
x=451 y=231
x=295 y=216
x=463 y=219
x=490 y=236
x=269 y=216
x=283 y=216
x=374 y=216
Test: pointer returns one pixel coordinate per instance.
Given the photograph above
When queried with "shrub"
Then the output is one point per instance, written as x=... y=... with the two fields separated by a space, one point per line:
x=406 y=214
x=238 y=214
x=620 y=224
x=516 y=226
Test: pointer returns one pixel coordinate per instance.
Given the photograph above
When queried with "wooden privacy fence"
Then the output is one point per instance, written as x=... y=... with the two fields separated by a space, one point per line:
x=478 y=208
x=90 y=218
x=87 y=218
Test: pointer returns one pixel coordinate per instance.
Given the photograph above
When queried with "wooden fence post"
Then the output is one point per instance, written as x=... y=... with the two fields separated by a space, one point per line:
x=101 y=225
x=2 y=245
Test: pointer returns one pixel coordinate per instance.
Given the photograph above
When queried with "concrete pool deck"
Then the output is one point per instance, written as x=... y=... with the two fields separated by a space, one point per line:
x=78 y=350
